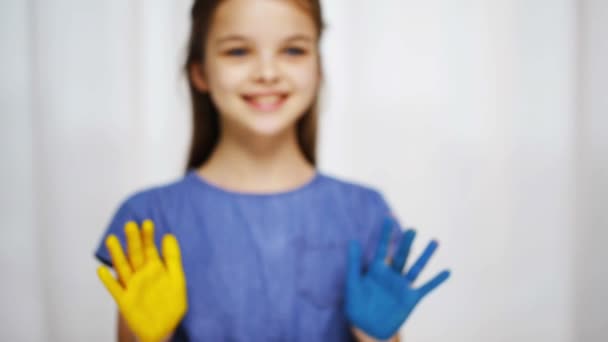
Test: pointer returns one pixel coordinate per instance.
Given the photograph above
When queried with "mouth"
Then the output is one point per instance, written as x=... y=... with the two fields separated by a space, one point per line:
x=265 y=102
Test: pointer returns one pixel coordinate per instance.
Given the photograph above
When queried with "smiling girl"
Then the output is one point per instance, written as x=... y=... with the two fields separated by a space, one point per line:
x=257 y=243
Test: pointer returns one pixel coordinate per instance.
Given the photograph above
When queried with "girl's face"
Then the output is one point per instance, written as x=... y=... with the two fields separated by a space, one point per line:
x=261 y=65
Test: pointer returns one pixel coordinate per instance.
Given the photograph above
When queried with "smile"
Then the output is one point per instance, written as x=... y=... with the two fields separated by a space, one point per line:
x=265 y=102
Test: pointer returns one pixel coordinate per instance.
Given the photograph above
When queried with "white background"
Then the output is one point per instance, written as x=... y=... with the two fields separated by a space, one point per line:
x=483 y=122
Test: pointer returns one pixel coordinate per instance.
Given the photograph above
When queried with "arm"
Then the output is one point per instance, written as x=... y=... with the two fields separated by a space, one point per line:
x=124 y=333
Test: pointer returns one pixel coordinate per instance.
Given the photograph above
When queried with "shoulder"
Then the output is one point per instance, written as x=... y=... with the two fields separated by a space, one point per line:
x=159 y=195
x=357 y=193
x=365 y=206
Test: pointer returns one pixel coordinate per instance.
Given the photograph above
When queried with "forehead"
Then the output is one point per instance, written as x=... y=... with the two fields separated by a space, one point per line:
x=261 y=20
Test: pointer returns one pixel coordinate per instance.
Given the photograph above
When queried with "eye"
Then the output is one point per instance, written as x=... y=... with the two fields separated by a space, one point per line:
x=295 y=51
x=237 y=52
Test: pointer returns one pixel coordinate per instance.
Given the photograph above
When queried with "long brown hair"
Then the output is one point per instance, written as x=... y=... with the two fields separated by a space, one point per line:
x=205 y=116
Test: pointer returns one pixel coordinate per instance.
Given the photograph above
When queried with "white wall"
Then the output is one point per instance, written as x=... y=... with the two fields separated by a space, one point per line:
x=22 y=316
x=93 y=108
x=464 y=113
x=467 y=114
x=591 y=274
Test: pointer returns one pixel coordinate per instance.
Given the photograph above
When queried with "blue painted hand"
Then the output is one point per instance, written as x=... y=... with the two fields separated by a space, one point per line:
x=381 y=300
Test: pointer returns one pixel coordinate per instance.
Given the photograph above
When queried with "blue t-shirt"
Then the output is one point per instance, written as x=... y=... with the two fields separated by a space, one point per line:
x=260 y=267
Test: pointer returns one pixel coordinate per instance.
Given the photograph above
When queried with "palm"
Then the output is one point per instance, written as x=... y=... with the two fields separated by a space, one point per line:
x=153 y=300
x=381 y=300
x=151 y=294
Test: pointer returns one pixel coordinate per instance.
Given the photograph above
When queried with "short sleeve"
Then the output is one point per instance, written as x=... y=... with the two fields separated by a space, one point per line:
x=379 y=211
x=124 y=214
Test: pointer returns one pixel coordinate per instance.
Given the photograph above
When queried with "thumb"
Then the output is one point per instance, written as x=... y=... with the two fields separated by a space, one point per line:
x=354 y=263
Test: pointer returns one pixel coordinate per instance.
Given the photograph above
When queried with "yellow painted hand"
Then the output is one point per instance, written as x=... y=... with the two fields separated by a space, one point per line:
x=151 y=294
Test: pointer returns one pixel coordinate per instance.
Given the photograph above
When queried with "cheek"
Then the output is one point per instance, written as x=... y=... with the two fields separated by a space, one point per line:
x=306 y=77
x=227 y=78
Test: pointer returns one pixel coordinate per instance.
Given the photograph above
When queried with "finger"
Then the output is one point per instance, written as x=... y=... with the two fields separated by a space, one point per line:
x=354 y=263
x=110 y=283
x=433 y=283
x=172 y=255
x=134 y=248
x=400 y=258
x=415 y=270
x=382 y=249
x=150 y=250
x=119 y=261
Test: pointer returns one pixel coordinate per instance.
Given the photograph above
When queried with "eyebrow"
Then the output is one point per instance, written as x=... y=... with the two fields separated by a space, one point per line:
x=237 y=37
x=299 y=37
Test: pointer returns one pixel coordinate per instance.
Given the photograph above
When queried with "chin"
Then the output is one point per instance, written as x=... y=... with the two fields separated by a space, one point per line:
x=270 y=128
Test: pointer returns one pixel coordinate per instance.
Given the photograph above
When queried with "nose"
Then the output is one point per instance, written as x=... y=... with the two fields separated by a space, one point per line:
x=267 y=70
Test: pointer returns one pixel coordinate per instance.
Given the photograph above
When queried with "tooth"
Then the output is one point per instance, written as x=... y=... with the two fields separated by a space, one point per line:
x=266 y=99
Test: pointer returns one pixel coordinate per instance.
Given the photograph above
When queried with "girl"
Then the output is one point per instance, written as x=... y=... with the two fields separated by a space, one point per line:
x=270 y=249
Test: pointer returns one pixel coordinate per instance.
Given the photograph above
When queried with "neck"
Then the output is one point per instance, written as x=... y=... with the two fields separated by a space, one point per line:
x=258 y=164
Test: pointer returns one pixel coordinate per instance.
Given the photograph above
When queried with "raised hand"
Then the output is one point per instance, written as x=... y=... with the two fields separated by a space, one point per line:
x=150 y=293
x=380 y=301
